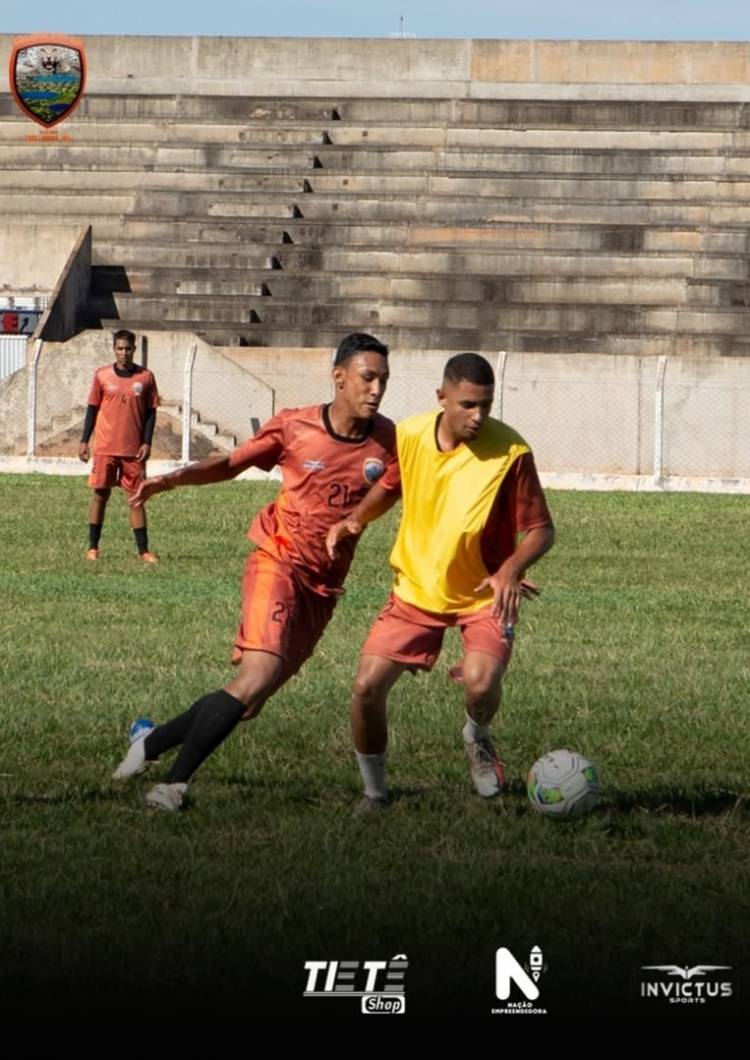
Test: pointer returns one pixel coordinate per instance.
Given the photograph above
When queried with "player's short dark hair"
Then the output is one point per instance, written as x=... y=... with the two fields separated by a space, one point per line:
x=123 y=333
x=470 y=367
x=358 y=342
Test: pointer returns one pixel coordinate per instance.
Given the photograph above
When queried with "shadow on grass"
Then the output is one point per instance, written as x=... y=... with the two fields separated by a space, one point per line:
x=661 y=801
x=320 y=795
x=657 y=802
x=65 y=798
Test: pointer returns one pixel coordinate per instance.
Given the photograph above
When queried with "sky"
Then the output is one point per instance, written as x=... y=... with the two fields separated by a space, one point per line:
x=534 y=19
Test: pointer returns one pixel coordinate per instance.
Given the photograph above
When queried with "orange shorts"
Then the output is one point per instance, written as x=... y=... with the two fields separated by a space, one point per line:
x=280 y=614
x=108 y=471
x=409 y=635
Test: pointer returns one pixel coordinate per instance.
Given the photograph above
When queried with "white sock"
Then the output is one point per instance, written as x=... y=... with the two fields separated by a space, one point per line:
x=372 y=771
x=473 y=731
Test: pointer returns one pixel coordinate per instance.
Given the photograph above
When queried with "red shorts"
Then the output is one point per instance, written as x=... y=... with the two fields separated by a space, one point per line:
x=125 y=471
x=280 y=614
x=409 y=635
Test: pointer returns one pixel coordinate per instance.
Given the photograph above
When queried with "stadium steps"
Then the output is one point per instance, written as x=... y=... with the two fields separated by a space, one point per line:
x=205 y=428
x=492 y=112
x=506 y=290
x=605 y=221
x=479 y=260
x=551 y=113
x=71 y=205
x=544 y=316
x=642 y=344
x=82 y=164
x=290 y=239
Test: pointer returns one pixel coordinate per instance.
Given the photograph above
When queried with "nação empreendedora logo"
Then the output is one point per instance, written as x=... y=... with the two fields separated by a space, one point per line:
x=47 y=77
x=378 y=984
x=518 y=985
x=678 y=984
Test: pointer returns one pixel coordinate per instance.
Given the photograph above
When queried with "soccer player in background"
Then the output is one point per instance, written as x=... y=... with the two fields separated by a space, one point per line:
x=330 y=455
x=122 y=405
x=469 y=489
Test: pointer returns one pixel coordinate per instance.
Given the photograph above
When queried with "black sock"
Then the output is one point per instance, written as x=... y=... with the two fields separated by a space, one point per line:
x=141 y=539
x=216 y=716
x=172 y=733
x=95 y=532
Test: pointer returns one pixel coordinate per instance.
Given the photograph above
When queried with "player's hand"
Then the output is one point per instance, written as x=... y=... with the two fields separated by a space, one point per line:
x=508 y=591
x=143 y=453
x=346 y=528
x=149 y=488
x=84 y=452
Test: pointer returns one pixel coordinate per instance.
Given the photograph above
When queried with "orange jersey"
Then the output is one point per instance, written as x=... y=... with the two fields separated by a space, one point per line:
x=324 y=478
x=123 y=402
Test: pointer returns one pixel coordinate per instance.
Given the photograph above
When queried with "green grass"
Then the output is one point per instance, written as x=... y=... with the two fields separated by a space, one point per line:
x=636 y=654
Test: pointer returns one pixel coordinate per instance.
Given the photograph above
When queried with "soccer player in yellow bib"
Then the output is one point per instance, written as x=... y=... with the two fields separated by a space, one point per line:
x=474 y=520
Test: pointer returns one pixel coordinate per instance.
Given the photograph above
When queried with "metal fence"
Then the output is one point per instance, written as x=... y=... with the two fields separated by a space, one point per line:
x=593 y=421
x=19 y=317
x=12 y=354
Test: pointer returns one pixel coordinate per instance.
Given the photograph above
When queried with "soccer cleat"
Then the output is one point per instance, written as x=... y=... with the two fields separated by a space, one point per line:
x=166 y=797
x=485 y=767
x=366 y=806
x=134 y=761
x=147 y=557
x=92 y=554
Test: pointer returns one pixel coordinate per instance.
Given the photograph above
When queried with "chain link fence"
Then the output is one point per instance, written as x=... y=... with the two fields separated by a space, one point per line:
x=592 y=421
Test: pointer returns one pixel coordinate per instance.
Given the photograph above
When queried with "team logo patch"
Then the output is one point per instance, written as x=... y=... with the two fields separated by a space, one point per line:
x=137 y=388
x=372 y=469
x=47 y=77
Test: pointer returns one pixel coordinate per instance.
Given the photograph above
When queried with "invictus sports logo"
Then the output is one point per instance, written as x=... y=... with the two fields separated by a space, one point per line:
x=378 y=984
x=518 y=985
x=681 y=985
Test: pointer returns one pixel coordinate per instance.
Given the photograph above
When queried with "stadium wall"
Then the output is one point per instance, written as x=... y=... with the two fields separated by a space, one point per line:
x=67 y=305
x=441 y=69
x=33 y=255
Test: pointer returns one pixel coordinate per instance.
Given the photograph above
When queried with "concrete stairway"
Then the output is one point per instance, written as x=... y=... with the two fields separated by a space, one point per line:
x=206 y=429
x=483 y=224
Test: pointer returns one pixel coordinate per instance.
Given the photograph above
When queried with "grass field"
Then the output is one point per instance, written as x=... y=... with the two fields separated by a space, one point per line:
x=636 y=654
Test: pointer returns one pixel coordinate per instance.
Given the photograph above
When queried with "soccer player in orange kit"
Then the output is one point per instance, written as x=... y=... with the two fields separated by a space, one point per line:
x=122 y=407
x=330 y=456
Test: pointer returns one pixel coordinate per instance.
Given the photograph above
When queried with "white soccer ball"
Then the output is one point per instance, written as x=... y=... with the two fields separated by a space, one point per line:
x=563 y=784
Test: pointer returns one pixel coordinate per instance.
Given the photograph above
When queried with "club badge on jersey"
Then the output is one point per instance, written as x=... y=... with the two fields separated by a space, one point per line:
x=373 y=469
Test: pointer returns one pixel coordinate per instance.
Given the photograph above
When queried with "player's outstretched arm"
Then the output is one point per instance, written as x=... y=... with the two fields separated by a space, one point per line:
x=376 y=502
x=508 y=583
x=212 y=469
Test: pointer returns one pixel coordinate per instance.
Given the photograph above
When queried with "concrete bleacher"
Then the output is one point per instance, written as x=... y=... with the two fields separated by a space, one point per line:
x=531 y=224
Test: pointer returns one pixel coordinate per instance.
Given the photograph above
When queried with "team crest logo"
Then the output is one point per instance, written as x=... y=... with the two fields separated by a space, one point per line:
x=372 y=469
x=47 y=77
x=137 y=388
